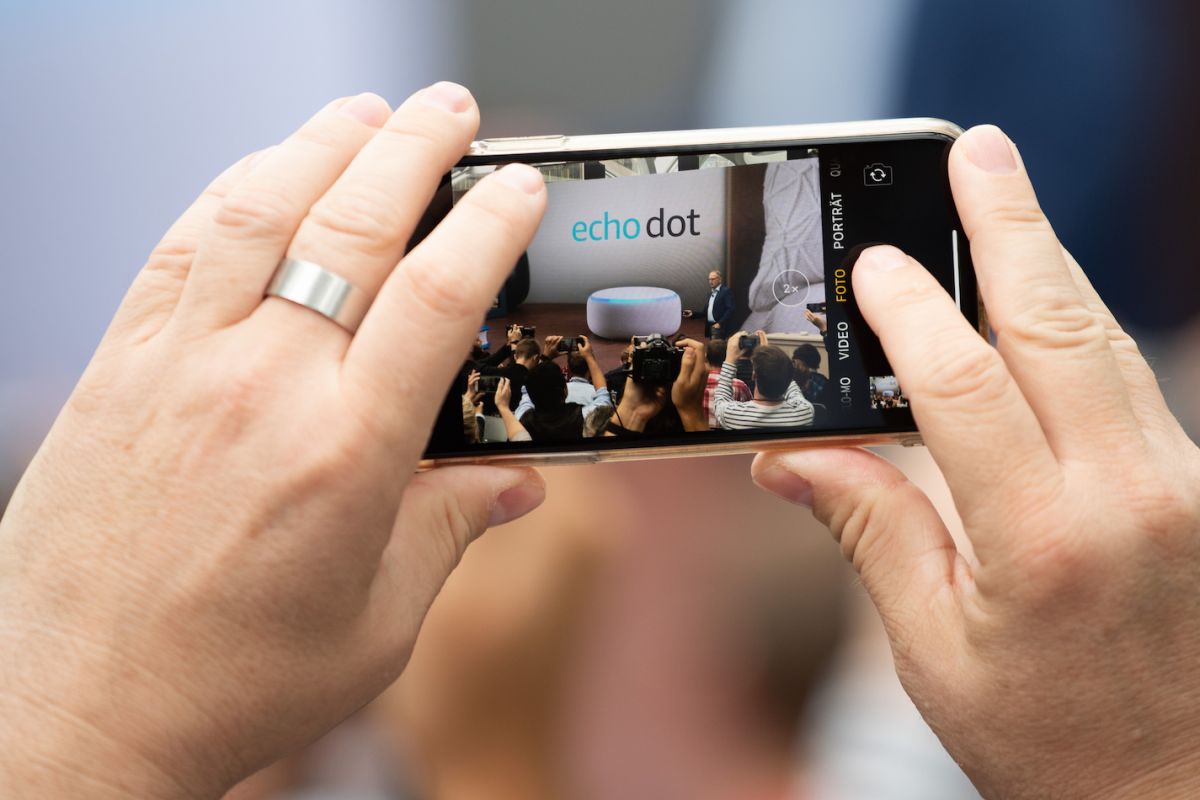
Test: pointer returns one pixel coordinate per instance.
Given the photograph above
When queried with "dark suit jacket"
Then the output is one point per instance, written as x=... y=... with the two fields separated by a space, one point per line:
x=722 y=312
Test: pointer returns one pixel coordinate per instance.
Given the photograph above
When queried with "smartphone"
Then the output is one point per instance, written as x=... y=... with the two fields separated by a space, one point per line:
x=748 y=229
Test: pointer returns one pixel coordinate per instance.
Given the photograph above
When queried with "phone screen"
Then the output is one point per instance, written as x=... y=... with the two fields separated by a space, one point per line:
x=640 y=249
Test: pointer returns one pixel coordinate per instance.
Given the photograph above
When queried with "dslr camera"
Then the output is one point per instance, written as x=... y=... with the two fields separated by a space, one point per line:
x=655 y=361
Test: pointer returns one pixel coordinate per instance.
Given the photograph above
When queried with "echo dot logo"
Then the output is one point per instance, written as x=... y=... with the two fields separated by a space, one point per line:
x=657 y=226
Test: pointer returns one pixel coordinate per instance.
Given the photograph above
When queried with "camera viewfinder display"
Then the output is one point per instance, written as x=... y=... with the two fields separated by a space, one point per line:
x=675 y=298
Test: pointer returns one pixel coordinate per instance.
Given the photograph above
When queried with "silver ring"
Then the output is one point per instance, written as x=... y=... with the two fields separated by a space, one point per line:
x=312 y=286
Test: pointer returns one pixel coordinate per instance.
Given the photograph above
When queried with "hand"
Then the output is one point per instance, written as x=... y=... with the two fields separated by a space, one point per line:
x=762 y=338
x=733 y=348
x=503 y=394
x=687 y=392
x=1062 y=657
x=585 y=347
x=473 y=395
x=550 y=347
x=513 y=334
x=222 y=548
x=816 y=319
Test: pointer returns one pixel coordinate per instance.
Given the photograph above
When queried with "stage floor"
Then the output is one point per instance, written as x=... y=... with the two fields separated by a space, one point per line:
x=570 y=319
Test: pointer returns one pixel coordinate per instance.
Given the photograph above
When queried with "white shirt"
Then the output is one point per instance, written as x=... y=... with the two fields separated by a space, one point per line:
x=712 y=298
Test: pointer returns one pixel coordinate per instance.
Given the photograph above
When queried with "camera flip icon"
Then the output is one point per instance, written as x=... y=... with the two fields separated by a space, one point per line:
x=877 y=174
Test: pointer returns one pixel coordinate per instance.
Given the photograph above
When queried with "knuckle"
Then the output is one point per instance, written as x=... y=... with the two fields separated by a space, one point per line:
x=262 y=210
x=422 y=131
x=1053 y=318
x=1166 y=508
x=359 y=218
x=432 y=289
x=322 y=136
x=967 y=370
x=1017 y=216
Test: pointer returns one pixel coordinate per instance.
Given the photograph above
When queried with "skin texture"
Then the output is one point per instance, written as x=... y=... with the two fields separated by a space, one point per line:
x=1057 y=653
x=221 y=550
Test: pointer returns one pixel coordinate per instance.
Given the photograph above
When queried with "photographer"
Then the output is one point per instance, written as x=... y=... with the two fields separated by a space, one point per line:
x=526 y=353
x=513 y=429
x=544 y=409
x=806 y=360
x=715 y=357
x=777 y=401
x=648 y=407
x=579 y=384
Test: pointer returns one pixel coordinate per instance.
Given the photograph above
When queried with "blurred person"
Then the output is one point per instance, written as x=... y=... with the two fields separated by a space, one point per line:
x=715 y=357
x=777 y=401
x=575 y=658
x=718 y=315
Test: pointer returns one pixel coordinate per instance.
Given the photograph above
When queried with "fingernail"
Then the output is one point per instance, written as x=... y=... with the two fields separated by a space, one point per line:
x=447 y=96
x=788 y=485
x=368 y=108
x=989 y=149
x=520 y=176
x=882 y=258
x=516 y=502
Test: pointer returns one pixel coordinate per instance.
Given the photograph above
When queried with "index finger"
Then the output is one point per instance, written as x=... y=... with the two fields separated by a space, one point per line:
x=971 y=413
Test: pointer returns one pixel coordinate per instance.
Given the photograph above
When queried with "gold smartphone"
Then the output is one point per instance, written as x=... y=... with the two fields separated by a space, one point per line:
x=739 y=240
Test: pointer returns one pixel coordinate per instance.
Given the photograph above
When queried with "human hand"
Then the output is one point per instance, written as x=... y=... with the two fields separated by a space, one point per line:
x=503 y=394
x=550 y=347
x=733 y=347
x=584 y=348
x=687 y=392
x=1060 y=658
x=513 y=335
x=222 y=550
x=819 y=320
x=762 y=338
x=474 y=396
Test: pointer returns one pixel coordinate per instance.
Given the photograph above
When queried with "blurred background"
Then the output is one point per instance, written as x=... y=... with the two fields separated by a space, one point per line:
x=697 y=639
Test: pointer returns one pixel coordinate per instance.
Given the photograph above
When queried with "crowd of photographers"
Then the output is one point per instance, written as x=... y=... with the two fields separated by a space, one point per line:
x=555 y=390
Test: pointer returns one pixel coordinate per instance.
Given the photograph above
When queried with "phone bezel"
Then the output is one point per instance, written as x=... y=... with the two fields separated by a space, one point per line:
x=543 y=149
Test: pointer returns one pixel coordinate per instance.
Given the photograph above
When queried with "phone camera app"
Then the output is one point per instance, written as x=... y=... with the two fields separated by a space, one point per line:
x=877 y=175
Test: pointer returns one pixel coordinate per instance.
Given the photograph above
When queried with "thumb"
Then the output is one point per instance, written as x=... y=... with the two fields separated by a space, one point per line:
x=441 y=513
x=886 y=526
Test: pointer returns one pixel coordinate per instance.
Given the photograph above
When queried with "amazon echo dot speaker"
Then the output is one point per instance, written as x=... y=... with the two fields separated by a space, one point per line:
x=633 y=311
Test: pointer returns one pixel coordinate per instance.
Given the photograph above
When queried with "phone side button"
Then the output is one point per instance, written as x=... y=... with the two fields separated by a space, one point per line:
x=520 y=143
x=912 y=440
x=557 y=459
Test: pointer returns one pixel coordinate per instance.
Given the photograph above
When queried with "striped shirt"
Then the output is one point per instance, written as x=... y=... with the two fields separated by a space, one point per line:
x=791 y=412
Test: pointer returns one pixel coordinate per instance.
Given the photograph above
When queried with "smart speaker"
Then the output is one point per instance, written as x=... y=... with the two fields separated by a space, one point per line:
x=626 y=311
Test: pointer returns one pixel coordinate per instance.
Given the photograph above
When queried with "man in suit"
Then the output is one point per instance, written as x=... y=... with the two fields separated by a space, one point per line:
x=719 y=313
